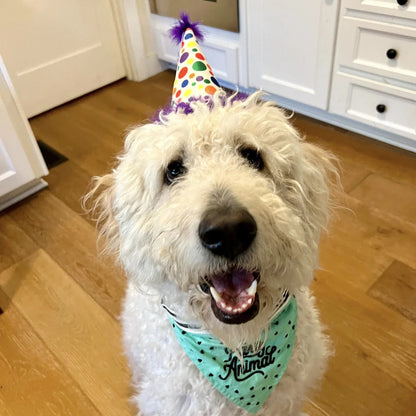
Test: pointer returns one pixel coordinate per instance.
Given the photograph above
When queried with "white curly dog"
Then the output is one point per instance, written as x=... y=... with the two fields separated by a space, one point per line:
x=216 y=218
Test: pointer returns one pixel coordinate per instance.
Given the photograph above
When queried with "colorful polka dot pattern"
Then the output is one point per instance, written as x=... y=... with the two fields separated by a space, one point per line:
x=194 y=76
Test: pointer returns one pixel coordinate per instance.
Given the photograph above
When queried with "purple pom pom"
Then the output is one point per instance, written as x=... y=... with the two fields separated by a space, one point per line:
x=184 y=23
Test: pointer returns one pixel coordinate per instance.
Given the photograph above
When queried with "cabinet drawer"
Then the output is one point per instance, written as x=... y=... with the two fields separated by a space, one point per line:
x=388 y=7
x=362 y=100
x=379 y=48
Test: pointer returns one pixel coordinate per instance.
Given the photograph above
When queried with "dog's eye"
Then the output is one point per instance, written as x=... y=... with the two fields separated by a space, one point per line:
x=253 y=157
x=174 y=170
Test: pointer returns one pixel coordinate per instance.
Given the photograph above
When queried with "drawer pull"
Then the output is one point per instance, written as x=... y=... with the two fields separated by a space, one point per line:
x=381 y=108
x=391 y=53
x=402 y=2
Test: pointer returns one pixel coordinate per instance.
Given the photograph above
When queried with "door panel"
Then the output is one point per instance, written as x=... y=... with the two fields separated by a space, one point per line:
x=57 y=50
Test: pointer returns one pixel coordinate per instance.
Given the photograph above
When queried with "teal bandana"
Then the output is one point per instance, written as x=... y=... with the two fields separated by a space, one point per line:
x=247 y=385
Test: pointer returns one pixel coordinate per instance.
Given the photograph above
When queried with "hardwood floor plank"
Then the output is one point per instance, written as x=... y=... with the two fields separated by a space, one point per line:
x=14 y=243
x=77 y=330
x=354 y=318
x=78 y=135
x=84 y=133
x=387 y=196
x=32 y=381
x=152 y=93
x=352 y=175
x=345 y=249
x=397 y=288
x=131 y=102
x=386 y=234
x=311 y=408
x=362 y=242
x=69 y=183
x=71 y=242
x=353 y=385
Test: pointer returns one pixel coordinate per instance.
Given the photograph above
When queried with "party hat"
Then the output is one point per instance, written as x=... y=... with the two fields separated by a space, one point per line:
x=194 y=77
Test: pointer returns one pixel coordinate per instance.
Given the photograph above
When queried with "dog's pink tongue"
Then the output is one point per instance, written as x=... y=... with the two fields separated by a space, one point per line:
x=232 y=284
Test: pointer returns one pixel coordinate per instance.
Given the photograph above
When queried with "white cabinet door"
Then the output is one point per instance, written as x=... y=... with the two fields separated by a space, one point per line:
x=20 y=160
x=57 y=50
x=290 y=48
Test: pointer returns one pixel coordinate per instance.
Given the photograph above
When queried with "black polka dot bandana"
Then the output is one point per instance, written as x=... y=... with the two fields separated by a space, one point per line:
x=247 y=383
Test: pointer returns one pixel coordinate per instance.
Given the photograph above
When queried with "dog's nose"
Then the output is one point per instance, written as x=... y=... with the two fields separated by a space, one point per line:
x=227 y=232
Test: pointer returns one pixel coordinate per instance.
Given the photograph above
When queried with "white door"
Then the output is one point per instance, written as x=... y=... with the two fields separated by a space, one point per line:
x=290 y=48
x=21 y=163
x=57 y=50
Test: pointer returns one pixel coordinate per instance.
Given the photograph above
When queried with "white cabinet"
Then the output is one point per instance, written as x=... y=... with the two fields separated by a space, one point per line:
x=21 y=163
x=351 y=63
x=374 y=78
x=290 y=48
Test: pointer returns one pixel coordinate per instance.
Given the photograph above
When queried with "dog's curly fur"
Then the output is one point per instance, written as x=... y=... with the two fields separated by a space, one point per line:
x=153 y=229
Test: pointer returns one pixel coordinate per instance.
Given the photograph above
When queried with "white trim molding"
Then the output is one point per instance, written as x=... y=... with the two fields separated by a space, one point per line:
x=136 y=42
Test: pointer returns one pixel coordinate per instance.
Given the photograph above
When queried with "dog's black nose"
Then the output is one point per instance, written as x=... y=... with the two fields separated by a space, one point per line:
x=227 y=232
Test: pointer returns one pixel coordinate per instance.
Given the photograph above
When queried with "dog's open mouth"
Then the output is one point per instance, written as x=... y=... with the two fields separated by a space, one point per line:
x=234 y=298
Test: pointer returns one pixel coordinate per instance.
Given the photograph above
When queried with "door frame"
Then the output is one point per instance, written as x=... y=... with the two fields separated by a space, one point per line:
x=132 y=19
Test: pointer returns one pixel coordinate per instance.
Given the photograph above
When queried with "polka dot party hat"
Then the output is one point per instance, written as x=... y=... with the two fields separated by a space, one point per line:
x=194 y=77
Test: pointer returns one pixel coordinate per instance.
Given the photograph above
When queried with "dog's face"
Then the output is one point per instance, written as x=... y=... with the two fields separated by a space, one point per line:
x=220 y=209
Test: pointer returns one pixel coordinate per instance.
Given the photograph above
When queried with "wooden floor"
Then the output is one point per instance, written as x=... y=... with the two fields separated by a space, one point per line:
x=60 y=350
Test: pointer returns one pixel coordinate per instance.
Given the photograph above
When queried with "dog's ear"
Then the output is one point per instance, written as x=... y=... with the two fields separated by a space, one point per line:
x=98 y=203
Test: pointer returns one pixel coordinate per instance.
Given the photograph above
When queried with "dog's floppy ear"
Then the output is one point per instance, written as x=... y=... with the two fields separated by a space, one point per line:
x=98 y=203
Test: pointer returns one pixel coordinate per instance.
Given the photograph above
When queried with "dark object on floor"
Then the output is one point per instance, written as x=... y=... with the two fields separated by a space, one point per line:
x=51 y=156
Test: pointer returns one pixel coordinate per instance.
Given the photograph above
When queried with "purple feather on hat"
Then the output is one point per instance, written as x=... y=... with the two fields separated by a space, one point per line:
x=184 y=23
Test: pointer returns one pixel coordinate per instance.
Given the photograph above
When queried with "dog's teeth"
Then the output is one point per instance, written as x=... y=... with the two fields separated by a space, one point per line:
x=229 y=308
x=223 y=305
x=253 y=288
x=244 y=306
x=250 y=301
x=215 y=294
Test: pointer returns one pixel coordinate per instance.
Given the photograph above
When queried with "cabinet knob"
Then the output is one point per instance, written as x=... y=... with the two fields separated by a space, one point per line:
x=402 y=2
x=381 y=108
x=391 y=53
